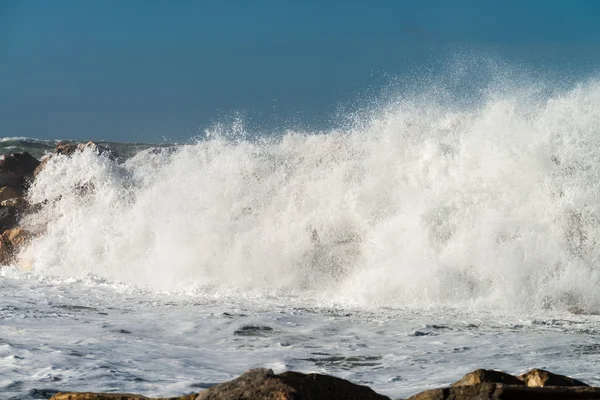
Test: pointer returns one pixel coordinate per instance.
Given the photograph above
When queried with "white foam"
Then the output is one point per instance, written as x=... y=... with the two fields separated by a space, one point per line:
x=420 y=203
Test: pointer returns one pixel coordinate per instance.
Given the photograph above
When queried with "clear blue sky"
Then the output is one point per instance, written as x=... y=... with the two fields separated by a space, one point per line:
x=143 y=70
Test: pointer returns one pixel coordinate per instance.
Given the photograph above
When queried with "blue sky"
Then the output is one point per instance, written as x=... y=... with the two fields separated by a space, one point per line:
x=143 y=70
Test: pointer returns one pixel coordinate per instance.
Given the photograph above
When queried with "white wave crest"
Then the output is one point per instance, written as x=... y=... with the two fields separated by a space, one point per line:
x=421 y=203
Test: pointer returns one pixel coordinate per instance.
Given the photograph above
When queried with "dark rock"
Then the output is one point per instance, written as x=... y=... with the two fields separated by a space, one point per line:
x=253 y=330
x=496 y=391
x=8 y=218
x=16 y=202
x=8 y=192
x=541 y=378
x=41 y=393
x=263 y=384
x=16 y=168
x=488 y=376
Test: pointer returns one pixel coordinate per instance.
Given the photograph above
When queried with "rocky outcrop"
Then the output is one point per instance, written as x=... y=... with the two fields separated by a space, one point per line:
x=541 y=378
x=15 y=169
x=488 y=376
x=263 y=384
x=497 y=391
x=68 y=149
x=534 y=378
x=16 y=173
x=490 y=384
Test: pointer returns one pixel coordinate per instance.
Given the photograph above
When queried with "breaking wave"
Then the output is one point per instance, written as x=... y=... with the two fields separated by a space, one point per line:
x=421 y=201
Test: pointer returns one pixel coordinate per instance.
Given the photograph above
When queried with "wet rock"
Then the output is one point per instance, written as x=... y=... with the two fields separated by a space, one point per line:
x=9 y=192
x=494 y=391
x=16 y=168
x=10 y=242
x=253 y=330
x=8 y=218
x=263 y=384
x=114 y=396
x=16 y=202
x=535 y=384
x=488 y=376
x=542 y=378
x=68 y=149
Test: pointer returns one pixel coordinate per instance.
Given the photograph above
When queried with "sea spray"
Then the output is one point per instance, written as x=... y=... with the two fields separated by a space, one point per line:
x=422 y=203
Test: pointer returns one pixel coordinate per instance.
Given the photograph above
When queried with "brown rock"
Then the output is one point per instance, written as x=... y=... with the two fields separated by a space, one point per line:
x=17 y=202
x=263 y=384
x=17 y=236
x=10 y=242
x=42 y=165
x=494 y=391
x=487 y=376
x=8 y=192
x=114 y=396
x=541 y=378
x=16 y=168
x=68 y=149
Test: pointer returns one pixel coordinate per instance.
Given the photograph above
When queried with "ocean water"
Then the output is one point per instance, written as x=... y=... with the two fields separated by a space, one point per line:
x=430 y=234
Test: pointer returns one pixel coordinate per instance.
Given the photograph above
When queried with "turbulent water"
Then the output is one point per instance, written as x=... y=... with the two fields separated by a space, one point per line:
x=423 y=238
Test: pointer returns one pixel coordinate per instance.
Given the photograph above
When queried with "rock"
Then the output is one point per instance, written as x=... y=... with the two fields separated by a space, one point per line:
x=263 y=384
x=16 y=202
x=487 y=376
x=16 y=168
x=493 y=391
x=68 y=149
x=17 y=236
x=114 y=396
x=9 y=192
x=541 y=378
x=8 y=218
x=10 y=242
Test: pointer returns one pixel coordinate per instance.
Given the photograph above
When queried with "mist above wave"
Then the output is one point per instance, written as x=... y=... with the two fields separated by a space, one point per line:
x=419 y=202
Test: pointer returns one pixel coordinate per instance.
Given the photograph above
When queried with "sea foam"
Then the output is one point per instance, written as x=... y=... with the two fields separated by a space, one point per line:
x=418 y=201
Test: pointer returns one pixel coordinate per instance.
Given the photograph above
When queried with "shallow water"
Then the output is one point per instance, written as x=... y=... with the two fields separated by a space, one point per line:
x=91 y=335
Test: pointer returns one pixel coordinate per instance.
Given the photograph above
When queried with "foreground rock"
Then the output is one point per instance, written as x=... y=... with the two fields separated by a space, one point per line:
x=535 y=384
x=541 y=378
x=494 y=391
x=487 y=376
x=263 y=384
